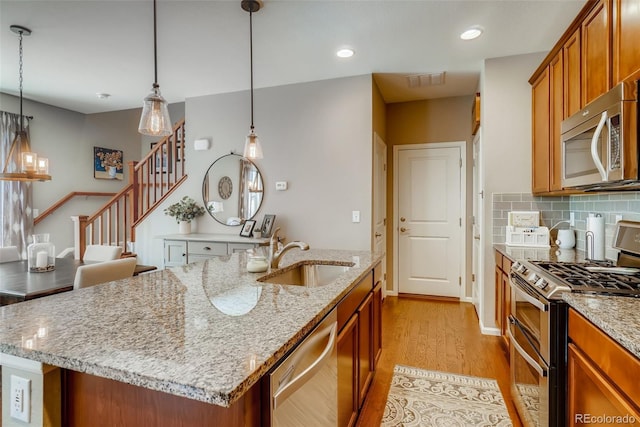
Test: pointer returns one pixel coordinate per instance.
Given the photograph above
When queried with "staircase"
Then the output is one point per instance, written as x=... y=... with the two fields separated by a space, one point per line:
x=151 y=181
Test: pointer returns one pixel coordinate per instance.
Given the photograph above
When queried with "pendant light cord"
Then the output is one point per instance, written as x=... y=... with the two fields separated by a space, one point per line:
x=155 y=48
x=251 y=60
x=20 y=62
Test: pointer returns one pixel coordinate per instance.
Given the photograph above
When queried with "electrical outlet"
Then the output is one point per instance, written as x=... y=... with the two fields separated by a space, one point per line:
x=20 y=408
x=281 y=185
x=355 y=216
x=572 y=219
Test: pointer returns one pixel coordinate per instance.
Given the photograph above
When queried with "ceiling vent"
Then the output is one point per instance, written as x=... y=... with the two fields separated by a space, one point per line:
x=431 y=79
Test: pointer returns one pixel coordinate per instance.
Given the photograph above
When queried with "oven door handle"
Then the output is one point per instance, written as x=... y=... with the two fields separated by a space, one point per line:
x=541 y=371
x=528 y=298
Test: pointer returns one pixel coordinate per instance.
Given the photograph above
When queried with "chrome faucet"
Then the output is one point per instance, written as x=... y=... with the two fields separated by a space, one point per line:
x=275 y=255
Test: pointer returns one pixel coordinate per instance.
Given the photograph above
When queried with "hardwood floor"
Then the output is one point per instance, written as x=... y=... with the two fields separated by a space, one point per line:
x=436 y=335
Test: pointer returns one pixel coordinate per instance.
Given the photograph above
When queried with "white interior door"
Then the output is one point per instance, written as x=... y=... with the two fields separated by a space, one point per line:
x=478 y=193
x=379 y=241
x=429 y=224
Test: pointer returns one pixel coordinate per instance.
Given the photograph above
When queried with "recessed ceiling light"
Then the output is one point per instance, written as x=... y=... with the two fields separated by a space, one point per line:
x=103 y=95
x=345 y=52
x=472 y=33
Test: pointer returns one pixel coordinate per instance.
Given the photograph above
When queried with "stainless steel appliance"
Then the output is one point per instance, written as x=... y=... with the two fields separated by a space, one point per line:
x=304 y=387
x=600 y=142
x=538 y=322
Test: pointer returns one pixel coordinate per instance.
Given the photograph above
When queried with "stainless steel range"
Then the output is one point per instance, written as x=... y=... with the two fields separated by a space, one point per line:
x=538 y=321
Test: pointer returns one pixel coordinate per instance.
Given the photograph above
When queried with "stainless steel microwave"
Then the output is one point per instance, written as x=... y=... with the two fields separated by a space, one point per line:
x=600 y=142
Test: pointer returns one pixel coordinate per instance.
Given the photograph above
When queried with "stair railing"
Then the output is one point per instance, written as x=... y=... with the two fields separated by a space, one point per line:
x=151 y=181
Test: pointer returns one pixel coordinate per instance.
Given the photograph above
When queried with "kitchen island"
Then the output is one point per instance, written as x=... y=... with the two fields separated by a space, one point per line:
x=204 y=332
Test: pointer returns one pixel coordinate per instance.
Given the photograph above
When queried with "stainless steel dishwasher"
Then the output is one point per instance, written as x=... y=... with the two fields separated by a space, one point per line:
x=304 y=387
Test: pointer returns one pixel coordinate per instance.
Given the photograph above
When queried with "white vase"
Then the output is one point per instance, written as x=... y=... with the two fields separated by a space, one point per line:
x=184 y=227
x=111 y=170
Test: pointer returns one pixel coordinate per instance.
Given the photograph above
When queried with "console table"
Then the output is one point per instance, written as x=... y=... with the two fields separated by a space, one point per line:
x=181 y=249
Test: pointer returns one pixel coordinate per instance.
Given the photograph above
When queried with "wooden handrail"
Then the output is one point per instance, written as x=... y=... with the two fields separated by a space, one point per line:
x=151 y=181
x=65 y=199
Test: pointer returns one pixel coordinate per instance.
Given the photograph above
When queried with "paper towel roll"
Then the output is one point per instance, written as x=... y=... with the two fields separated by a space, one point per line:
x=594 y=237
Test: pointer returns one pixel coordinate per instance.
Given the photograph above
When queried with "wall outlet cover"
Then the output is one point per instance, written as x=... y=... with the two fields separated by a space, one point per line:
x=20 y=408
x=281 y=185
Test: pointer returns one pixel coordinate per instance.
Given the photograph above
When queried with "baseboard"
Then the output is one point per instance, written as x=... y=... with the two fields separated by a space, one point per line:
x=466 y=299
x=489 y=331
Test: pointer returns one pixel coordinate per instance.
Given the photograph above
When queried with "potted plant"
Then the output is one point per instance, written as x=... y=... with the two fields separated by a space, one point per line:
x=184 y=211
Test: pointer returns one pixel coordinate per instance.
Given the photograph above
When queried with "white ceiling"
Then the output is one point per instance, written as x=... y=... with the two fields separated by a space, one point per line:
x=81 y=47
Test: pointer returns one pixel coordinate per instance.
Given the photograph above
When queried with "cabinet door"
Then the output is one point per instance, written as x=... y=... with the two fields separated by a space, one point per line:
x=506 y=308
x=556 y=77
x=596 y=52
x=377 y=324
x=175 y=252
x=541 y=119
x=591 y=393
x=626 y=33
x=571 y=64
x=499 y=308
x=365 y=352
x=348 y=373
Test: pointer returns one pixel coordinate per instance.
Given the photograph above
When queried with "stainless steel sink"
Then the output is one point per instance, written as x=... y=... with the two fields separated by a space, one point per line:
x=307 y=273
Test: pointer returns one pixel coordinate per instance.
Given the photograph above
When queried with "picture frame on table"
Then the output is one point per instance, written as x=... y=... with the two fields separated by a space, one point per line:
x=162 y=163
x=267 y=225
x=247 y=228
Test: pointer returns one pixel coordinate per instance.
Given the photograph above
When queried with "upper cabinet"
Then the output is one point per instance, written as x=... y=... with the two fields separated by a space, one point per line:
x=626 y=33
x=597 y=51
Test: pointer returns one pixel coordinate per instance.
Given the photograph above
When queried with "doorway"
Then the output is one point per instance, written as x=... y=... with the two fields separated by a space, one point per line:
x=379 y=240
x=429 y=210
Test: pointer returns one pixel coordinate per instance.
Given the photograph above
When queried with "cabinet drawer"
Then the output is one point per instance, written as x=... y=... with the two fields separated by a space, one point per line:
x=377 y=273
x=351 y=302
x=239 y=247
x=614 y=360
x=499 y=257
x=207 y=248
x=506 y=264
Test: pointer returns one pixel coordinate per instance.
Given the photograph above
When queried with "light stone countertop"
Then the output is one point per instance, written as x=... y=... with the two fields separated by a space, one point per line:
x=618 y=317
x=206 y=331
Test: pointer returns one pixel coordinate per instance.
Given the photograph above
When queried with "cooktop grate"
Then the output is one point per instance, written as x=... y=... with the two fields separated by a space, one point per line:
x=580 y=279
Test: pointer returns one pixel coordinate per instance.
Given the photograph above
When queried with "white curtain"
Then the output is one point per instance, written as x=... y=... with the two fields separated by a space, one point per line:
x=15 y=197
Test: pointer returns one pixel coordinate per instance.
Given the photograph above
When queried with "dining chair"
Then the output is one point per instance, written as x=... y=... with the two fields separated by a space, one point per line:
x=102 y=272
x=9 y=253
x=102 y=253
x=67 y=253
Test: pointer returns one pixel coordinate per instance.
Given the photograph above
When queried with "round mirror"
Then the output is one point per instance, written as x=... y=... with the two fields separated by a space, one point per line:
x=232 y=189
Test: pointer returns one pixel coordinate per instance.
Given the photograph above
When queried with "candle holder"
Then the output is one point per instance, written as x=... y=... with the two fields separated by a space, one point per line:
x=41 y=254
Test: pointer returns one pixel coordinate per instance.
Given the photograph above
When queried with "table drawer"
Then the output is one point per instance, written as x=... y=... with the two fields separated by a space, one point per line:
x=239 y=247
x=207 y=248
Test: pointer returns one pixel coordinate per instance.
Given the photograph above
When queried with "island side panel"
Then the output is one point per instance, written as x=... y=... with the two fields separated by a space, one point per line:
x=91 y=401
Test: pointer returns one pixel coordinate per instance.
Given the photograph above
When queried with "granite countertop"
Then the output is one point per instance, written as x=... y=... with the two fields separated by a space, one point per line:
x=206 y=331
x=618 y=317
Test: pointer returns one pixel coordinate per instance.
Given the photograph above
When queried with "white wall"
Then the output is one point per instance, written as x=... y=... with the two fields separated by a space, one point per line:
x=316 y=136
x=506 y=142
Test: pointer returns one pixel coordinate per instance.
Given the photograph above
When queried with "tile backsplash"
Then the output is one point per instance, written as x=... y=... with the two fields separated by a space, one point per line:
x=555 y=209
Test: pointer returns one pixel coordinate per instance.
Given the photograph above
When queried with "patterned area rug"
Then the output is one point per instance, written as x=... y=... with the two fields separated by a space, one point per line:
x=429 y=398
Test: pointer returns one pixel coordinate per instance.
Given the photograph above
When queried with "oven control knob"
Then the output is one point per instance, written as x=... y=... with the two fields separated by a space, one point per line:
x=541 y=283
x=533 y=278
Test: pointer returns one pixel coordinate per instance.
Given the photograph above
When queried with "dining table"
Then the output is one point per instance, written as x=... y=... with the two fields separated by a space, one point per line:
x=18 y=284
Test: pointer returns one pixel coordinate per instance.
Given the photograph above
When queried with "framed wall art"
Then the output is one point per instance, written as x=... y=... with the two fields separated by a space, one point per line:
x=107 y=163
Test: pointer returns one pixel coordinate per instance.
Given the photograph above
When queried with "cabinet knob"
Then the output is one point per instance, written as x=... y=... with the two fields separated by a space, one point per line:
x=207 y=248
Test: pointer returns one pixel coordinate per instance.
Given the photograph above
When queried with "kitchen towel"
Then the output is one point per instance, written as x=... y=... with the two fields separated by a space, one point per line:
x=594 y=237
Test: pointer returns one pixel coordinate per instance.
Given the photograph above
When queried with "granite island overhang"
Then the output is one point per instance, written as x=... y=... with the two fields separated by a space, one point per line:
x=205 y=331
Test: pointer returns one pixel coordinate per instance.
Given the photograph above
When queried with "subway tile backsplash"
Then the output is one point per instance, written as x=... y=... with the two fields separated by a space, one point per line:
x=555 y=209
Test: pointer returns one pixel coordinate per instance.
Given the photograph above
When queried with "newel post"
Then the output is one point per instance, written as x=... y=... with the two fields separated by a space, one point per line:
x=79 y=235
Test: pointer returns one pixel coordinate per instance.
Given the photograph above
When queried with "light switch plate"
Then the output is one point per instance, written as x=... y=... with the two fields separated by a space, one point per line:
x=20 y=408
x=281 y=185
x=355 y=216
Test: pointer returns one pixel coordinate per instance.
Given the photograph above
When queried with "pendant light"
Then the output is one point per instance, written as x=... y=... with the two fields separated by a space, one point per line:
x=252 y=147
x=31 y=167
x=155 y=120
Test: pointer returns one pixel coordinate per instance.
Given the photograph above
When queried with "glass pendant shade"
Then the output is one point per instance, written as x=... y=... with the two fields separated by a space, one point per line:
x=252 y=147
x=155 y=119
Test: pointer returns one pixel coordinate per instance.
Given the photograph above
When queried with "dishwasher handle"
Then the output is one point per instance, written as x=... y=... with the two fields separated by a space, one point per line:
x=288 y=388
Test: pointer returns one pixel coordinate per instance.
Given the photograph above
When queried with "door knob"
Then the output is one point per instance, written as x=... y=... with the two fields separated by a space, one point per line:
x=403 y=229
x=378 y=234
x=402 y=219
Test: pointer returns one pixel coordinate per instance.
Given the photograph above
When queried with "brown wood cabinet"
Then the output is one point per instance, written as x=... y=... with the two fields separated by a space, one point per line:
x=541 y=108
x=572 y=102
x=601 y=379
x=359 y=345
x=596 y=52
x=556 y=103
x=626 y=33
x=503 y=296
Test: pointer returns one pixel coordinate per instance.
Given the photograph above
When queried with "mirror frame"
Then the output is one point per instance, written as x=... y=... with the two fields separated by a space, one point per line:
x=213 y=187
